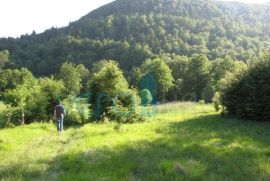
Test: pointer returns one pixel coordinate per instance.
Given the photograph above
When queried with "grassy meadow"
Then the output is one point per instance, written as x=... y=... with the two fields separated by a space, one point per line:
x=182 y=141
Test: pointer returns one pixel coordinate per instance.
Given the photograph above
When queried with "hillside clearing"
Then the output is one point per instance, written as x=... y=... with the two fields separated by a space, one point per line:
x=183 y=141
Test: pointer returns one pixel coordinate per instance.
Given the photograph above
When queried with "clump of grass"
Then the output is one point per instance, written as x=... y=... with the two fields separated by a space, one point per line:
x=179 y=169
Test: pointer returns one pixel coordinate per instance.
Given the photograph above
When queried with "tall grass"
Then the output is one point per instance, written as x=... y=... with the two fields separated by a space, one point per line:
x=183 y=141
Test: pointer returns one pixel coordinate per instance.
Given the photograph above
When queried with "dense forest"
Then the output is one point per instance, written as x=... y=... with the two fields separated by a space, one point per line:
x=131 y=31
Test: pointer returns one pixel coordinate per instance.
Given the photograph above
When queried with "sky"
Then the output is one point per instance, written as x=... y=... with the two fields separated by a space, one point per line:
x=19 y=17
x=23 y=16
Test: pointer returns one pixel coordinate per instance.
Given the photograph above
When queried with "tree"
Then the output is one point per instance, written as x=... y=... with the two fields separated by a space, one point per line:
x=179 y=67
x=127 y=32
x=222 y=66
x=135 y=77
x=53 y=90
x=19 y=97
x=247 y=95
x=4 y=58
x=198 y=74
x=84 y=74
x=71 y=78
x=105 y=84
x=161 y=73
x=10 y=79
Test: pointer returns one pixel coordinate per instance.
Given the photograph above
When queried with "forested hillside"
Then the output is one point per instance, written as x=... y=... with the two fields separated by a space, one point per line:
x=131 y=31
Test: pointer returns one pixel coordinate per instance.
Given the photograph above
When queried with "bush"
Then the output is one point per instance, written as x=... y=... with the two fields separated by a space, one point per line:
x=34 y=100
x=125 y=108
x=10 y=117
x=77 y=110
x=111 y=97
x=73 y=117
x=146 y=97
x=248 y=96
x=217 y=102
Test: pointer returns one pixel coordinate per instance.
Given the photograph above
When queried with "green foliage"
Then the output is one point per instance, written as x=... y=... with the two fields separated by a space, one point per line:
x=248 y=96
x=221 y=67
x=108 y=79
x=217 y=102
x=84 y=74
x=179 y=67
x=162 y=74
x=198 y=74
x=71 y=77
x=3 y=119
x=132 y=31
x=146 y=97
x=19 y=97
x=135 y=76
x=4 y=58
x=34 y=100
x=10 y=79
x=111 y=95
x=52 y=90
x=77 y=110
x=125 y=108
x=73 y=117
x=208 y=93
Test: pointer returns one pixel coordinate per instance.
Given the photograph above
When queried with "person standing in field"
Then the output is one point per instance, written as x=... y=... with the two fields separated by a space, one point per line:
x=59 y=113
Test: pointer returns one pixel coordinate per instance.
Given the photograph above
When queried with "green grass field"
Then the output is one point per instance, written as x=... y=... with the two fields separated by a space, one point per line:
x=183 y=141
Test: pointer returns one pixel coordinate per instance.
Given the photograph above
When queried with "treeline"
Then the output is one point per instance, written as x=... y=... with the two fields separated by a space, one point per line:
x=132 y=31
x=106 y=92
x=33 y=99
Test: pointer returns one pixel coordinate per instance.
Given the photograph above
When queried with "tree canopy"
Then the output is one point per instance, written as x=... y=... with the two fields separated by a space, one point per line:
x=131 y=31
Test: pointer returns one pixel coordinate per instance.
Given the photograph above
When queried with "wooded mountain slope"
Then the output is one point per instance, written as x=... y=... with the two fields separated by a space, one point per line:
x=131 y=31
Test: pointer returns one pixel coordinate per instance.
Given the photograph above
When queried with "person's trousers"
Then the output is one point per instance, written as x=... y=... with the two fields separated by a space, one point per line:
x=60 y=125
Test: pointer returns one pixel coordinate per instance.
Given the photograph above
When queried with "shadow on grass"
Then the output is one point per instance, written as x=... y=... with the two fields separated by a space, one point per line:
x=203 y=148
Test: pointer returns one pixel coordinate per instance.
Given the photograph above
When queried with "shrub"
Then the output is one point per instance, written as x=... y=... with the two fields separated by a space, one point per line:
x=20 y=98
x=146 y=97
x=10 y=117
x=111 y=96
x=125 y=108
x=73 y=117
x=77 y=110
x=217 y=102
x=248 y=96
x=34 y=100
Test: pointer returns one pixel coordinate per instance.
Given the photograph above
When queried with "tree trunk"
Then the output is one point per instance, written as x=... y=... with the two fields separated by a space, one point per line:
x=23 y=121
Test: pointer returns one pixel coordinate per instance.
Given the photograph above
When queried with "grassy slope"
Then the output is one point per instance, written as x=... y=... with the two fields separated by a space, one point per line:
x=182 y=142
